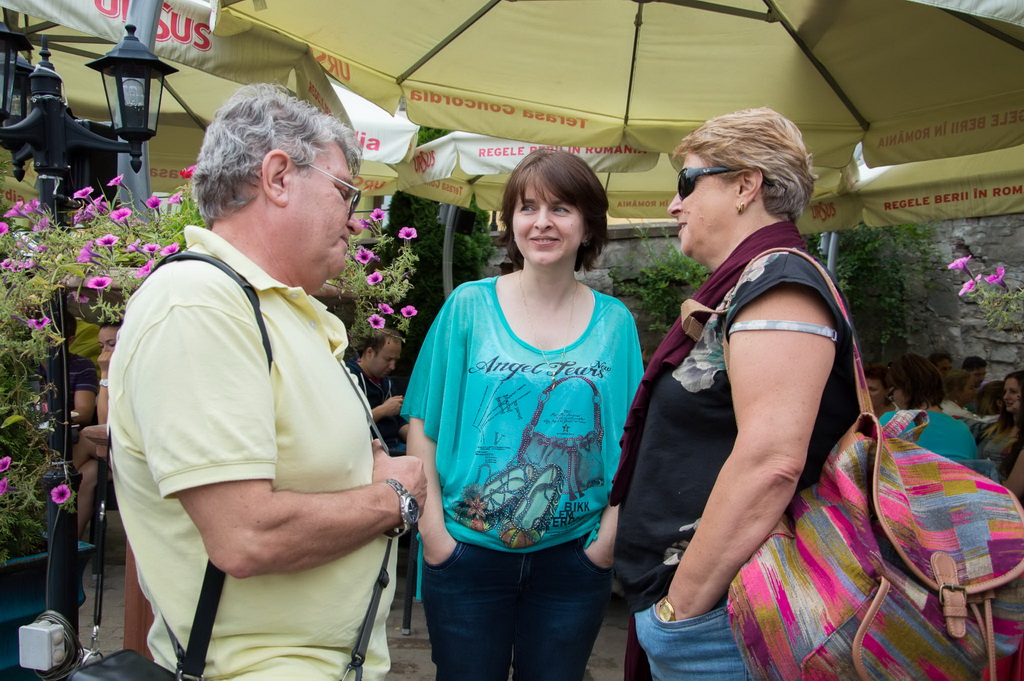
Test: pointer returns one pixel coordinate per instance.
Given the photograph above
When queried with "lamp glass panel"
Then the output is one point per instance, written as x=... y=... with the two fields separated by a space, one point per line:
x=20 y=96
x=156 y=91
x=10 y=64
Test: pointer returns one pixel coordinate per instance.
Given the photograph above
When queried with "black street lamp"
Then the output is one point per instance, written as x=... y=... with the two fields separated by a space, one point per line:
x=50 y=135
x=134 y=82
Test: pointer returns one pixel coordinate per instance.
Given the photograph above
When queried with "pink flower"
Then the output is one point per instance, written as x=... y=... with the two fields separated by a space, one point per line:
x=38 y=324
x=7 y=264
x=116 y=182
x=86 y=213
x=86 y=254
x=175 y=198
x=16 y=211
x=75 y=298
x=101 y=205
x=99 y=283
x=969 y=285
x=121 y=214
x=151 y=248
x=997 y=278
x=154 y=202
x=959 y=263
x=145 y=269
x=365 y=256
x=187 y=172
x=133 y=247
x=377 y=215
x=374 y=278
x=5 y=463
x=41 y=225
x=170 y=248
x=107 y=240
x=83 y=193
x=60 y=494
x=407 y=233
x=385 y=308
x=4 y=228
x=409 y=311
x=376 y=321
x=365 y=224
x=4 y=483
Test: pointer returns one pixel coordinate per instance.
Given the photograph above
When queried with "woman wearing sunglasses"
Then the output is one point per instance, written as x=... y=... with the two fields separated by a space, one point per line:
x=712 y=456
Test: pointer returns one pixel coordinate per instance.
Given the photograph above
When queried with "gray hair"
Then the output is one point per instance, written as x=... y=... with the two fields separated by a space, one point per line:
x=254 y=121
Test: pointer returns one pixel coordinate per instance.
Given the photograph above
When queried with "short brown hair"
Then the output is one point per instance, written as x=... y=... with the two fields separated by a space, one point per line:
x=379 y=338
x=875 y=371
x=758 y=139
x=568 y=178
x=919 y=380
x=955 y=381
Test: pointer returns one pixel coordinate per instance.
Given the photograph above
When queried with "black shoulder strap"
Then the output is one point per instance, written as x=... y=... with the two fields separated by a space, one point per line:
x=250 y=292
x=192 y=661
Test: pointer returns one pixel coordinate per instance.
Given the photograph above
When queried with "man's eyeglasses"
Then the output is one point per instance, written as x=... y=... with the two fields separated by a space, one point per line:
x=353 y=198
x=688 y=178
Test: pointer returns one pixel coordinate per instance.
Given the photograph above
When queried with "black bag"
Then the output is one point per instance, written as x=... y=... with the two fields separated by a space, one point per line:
x=124 y=665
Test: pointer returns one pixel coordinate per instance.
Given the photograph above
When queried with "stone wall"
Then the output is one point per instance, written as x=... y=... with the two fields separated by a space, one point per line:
x=942 y=320
x=945 y=321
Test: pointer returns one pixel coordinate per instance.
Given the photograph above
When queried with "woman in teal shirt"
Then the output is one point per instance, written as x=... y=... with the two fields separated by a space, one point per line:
x=915 y=383
x=516 y=406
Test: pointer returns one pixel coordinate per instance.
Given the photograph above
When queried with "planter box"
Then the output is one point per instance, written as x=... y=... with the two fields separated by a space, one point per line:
x=23 y=585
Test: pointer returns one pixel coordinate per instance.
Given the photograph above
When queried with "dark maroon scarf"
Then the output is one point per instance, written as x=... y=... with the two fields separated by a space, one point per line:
x=673 y=350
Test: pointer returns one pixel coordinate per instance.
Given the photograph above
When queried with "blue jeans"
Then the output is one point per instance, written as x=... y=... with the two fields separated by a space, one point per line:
x=701 y=647
x=537 y=612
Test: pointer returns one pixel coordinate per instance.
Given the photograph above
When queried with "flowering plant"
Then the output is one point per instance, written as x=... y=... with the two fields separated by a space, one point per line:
x=97 y=262
x=378 y=290
x=1001 y=306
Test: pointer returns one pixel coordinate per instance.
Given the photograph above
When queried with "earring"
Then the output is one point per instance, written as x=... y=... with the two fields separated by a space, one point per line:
x=586 y=243
x=740 y=208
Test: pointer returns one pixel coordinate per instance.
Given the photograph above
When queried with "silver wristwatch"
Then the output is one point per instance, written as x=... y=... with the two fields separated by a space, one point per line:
x=408 y=506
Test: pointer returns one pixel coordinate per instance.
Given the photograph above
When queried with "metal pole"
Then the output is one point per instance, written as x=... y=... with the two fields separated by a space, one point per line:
x=448 y=214
x=833 y=252
x=145 y=16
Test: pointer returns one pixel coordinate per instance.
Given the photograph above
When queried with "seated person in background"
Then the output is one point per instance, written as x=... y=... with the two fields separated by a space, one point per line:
x=373 y=369
x=875 y=375
x=915 y=384
x=996 y=439
x=82 y=381
x=943 y=361
x=960 y=391
x=976 y=367
x=1013 y=466
x=990 y=402
x=84 y=452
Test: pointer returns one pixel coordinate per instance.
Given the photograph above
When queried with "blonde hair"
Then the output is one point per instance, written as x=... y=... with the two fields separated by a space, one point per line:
x=758 y=139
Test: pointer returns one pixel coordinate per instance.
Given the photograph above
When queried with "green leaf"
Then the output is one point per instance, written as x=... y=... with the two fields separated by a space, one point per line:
x=10 y=420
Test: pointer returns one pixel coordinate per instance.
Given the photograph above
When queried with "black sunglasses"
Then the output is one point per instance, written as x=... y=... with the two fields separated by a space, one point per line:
x=688 y=178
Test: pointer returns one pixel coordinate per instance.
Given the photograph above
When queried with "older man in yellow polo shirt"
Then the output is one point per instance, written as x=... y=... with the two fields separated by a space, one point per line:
x=271 y=475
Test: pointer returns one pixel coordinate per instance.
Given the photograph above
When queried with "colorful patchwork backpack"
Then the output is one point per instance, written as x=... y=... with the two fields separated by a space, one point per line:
x=898 y=564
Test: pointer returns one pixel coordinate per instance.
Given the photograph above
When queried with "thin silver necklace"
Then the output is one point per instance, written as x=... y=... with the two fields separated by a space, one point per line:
x=533 y=329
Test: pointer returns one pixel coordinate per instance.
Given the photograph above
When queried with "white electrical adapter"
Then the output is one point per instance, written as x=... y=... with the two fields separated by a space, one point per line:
x=41 y=645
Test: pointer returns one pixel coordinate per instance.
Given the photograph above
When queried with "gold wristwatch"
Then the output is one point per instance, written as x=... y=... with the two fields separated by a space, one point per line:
x=666 y=613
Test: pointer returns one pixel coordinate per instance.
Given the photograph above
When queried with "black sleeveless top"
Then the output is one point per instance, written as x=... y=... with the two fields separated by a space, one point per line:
x=691 y=429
